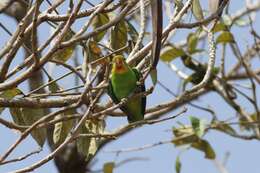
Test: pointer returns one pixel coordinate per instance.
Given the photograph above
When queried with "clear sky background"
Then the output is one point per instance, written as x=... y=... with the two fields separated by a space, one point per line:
x=244 y=155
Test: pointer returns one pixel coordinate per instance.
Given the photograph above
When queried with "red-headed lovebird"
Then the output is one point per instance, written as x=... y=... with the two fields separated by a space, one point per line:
x=122 y=84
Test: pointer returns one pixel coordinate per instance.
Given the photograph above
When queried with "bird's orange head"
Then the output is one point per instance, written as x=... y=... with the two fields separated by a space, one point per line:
x=119 y=64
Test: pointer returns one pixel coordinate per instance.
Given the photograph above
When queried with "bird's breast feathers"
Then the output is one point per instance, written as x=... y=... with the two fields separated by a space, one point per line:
x=123 y=84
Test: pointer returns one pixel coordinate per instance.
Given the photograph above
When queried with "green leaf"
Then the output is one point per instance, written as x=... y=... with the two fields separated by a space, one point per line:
x=225 y=37
x=179 y=4
x=192 y=41
x=185 y=139
x=178 y=165
x=223 y=127
x=88 y=146
x=171 y=53
x=108 y=167
x=219 y=27
x=205 y=147
x=198 y=126
x=66 y=53
x=153 y=75
x=253 y=116
x=215 y=70
x=197 y=10
x=242 y=22
x=195 y=123
x=53 y=87
x=83 y=143
x=245 y=123
x=183 y=130
x=57 y=130
x=9 y=94
x=17 y=116
x=99 y=20
x=194 y=78
x=119 y=35
x=93 y=51
x=62 y=128
x=30 y=116
x=95 y=127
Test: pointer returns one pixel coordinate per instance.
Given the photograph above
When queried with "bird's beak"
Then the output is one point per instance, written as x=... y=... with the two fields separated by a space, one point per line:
x=119 y=63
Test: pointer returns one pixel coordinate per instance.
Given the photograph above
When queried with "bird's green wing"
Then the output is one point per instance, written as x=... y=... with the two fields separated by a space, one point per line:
x=111 y=92
x=129 y=108
x=115 y=100
x=139 y=89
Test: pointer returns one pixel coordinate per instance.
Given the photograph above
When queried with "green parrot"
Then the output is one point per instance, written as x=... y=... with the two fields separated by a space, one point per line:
x=123 y=83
